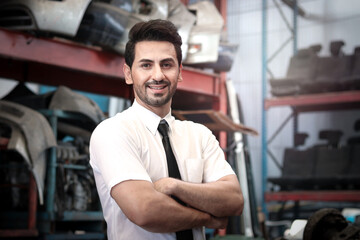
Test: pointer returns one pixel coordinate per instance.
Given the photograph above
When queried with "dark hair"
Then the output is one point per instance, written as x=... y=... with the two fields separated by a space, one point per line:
x=153 y=30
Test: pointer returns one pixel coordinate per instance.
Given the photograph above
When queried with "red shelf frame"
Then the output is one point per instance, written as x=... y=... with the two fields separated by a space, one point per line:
x=326 y=196
x=26 y=58
x=316 y=102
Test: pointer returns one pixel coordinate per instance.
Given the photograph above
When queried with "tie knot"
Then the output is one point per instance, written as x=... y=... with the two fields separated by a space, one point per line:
x=163 y=128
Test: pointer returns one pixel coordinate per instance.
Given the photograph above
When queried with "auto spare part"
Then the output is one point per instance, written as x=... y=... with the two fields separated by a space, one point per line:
x=329 y=224
x=61 y=17
x=31 y=136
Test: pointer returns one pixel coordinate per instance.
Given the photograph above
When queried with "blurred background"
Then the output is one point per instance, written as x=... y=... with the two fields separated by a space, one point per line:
x=277 y=81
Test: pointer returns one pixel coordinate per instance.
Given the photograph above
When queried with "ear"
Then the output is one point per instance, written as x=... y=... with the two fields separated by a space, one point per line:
x=180 y=79
x=127 y=73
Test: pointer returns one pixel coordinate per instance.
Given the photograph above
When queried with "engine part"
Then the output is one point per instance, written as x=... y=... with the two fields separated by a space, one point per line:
x=329 y=224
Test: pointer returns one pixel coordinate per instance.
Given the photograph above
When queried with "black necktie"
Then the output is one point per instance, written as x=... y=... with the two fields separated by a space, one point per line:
x=173 y=172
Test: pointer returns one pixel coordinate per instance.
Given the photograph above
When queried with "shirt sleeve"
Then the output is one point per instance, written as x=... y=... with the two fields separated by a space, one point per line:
x=215 y=164
x=114 y=154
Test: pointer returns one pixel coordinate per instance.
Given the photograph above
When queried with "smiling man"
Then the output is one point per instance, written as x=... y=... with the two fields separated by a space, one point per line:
x=157 y=177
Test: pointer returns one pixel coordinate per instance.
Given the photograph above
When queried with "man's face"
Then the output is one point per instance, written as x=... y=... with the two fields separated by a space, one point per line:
x=154 y=74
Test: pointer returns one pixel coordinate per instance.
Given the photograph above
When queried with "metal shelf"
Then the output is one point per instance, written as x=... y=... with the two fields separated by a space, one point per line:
x=310 y=103
x=266 y=70
x=26 y=58
x=325 y=196
x=317 y=102
x=314 y=102
x=329 y=101
x=54 y=62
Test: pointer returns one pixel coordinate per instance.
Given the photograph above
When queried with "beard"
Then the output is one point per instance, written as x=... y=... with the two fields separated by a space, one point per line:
x=158 y=99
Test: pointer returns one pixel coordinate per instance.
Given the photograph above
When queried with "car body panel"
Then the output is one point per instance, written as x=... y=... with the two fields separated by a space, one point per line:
x=67 y=100
x=62 y=17
x=226 y=57
x=103 y=25
x=205 y=34
x=156 y=9
x=35 y=138
x=107 y=24
x=184 y=21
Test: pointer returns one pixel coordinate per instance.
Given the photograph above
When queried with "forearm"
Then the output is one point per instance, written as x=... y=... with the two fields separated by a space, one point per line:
x=158 y=212
x=170 y=216
x=220 y=198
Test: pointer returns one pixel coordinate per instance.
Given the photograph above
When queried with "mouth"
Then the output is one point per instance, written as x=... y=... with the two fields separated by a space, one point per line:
x=157 y=87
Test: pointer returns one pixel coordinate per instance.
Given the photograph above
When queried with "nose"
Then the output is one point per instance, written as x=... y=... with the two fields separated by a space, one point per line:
x=157 y=73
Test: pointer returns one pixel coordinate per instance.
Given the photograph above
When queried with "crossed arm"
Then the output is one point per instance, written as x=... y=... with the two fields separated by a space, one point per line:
x=222 y=198
x=151 y=207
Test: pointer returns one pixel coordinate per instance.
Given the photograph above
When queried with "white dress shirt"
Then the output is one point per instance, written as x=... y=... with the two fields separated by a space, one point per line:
x=128 y=146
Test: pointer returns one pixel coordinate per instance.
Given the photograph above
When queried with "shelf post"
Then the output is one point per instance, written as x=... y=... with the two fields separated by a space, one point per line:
x=295 y=14
x=51 y=170
x=264 y=90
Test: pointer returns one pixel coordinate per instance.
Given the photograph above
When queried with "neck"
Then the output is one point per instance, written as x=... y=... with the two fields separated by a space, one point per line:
x=161 y=111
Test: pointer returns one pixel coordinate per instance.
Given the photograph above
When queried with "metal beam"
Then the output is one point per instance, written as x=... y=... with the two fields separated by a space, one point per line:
x=55 y=62
x=324 y=99
x=326 y=196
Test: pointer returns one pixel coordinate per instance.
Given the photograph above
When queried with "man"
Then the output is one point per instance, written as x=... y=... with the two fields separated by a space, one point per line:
x=139 y=199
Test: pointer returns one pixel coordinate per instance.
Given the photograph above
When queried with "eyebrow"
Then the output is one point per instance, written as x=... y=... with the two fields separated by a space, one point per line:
x=168 y=60
x=145 y=60
x=162 y=61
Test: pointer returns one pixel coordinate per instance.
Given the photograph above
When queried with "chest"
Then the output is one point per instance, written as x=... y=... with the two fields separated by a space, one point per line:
x=187 y=151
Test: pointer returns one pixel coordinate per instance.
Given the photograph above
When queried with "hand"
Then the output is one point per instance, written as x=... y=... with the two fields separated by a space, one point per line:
x=217 y=222
x=165 y=185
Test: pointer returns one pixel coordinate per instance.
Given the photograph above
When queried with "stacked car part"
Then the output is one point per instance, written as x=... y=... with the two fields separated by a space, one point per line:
x=309 y=73
x=323 y=166
x=49 y=135
x=106 y=24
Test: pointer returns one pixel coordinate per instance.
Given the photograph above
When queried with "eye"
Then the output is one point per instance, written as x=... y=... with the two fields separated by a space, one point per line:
x=146 y=65
x=166 y=65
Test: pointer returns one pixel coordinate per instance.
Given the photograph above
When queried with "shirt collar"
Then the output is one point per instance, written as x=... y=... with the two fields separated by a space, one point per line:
x=150 y=119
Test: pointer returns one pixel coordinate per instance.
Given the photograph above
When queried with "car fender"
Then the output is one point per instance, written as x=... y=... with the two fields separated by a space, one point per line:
x=61 y=17
x=31 y=137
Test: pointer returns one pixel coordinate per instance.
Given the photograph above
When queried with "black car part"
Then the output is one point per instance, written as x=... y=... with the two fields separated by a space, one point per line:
x=329 y=224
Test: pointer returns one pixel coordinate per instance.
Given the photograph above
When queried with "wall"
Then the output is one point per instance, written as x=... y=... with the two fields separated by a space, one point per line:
x=328 y=20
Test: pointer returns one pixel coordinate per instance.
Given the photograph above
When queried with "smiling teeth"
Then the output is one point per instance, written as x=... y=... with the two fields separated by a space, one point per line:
x=157 y=88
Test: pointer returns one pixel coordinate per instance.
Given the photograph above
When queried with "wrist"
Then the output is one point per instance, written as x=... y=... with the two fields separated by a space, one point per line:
x=208 y=220
x=173 y=186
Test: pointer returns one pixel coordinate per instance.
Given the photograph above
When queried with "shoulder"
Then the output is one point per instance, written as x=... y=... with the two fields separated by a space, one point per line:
x=122 y=123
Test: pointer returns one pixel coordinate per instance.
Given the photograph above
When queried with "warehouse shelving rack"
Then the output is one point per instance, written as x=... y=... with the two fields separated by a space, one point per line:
x=26 y=58
x=266 y=70
x=346 y=100
x=54 y=62
x=92 y=218
x=42 y=222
